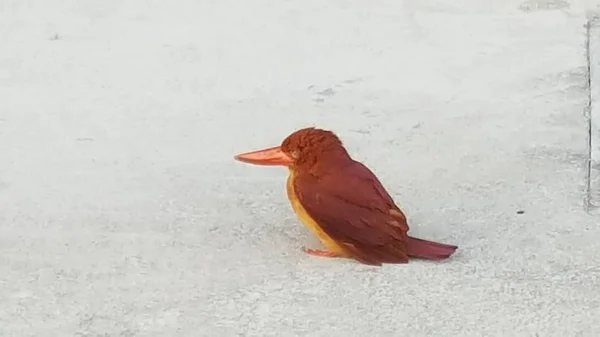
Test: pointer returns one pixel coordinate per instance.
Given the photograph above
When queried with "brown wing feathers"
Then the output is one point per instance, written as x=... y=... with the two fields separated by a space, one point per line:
x=354 y=209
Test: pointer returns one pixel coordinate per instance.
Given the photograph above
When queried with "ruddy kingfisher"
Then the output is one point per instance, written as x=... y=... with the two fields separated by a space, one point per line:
x=342 y=202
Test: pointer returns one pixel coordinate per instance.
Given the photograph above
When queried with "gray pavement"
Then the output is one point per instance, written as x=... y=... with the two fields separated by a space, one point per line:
x=123 y=213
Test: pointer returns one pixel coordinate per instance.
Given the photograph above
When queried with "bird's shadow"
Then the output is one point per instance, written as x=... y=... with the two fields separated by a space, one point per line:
x=293 y=234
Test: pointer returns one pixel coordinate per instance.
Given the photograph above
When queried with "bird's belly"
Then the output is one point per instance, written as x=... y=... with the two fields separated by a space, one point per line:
x=308 y=221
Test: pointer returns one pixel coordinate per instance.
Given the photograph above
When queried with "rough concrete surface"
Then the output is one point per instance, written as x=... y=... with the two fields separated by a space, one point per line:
x=123 y=212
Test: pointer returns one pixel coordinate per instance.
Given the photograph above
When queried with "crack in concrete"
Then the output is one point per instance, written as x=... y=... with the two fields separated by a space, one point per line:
x=587 y=200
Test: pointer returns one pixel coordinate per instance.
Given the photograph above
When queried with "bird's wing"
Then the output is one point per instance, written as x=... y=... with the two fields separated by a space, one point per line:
x=354 y=209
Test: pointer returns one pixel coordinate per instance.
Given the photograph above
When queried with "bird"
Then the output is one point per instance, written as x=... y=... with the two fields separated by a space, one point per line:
x=342 y=202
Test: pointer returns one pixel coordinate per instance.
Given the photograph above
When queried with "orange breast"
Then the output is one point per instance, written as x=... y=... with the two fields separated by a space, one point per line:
x=308 y=221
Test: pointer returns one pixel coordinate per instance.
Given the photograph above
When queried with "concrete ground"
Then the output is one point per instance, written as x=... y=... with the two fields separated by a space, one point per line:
x=123 y=213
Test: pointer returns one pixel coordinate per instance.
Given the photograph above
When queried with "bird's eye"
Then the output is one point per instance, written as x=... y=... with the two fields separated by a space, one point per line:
x=294 y=154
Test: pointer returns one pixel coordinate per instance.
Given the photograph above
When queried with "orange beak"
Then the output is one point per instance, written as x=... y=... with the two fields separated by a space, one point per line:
x=271 y=156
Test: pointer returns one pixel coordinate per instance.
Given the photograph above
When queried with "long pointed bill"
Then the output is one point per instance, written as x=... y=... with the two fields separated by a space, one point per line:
x=271 y=156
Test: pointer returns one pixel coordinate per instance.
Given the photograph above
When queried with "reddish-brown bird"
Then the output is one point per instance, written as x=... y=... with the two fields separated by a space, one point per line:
x=342 y=201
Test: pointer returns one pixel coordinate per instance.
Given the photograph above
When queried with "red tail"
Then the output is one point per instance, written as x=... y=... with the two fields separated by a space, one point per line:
x=429 y=249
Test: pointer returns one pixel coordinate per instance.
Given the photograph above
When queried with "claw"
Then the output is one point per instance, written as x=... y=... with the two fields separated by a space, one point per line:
x=319 y=252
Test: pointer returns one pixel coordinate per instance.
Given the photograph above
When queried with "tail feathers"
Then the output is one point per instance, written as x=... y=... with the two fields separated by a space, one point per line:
x=429 y=249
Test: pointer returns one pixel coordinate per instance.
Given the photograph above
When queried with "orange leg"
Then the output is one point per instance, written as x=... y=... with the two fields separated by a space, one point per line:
x=320 y=252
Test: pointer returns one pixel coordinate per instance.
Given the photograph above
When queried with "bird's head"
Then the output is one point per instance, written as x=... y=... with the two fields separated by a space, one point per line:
x=305 y=148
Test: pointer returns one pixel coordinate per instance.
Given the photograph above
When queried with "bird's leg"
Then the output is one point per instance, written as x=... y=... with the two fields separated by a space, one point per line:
x=319 y=252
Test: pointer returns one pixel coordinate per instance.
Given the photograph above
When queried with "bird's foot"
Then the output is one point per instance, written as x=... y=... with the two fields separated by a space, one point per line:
x=319 y=252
